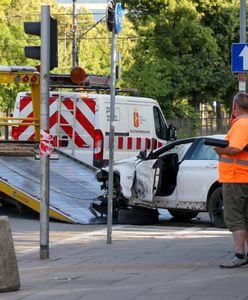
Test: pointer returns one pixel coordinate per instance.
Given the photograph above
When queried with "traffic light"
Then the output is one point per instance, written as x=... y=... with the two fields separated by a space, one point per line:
x=110 y=15
x=34 y=28
x=53 y=43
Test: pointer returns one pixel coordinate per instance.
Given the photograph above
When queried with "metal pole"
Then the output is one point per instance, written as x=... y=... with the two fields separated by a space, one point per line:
x=65 y=28
x=74 y=40
x=242 y=80
x=118 y=65
x=242 y=21
x=44 y=125
x=111 y=139
x=6 y=132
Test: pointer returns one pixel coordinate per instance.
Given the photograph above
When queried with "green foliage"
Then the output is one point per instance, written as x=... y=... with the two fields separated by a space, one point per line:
x=144 y=10
x=94 y=42
x=175 y=60
x=184 y=52
x=180 y=109
x=223 y=19
x=177 y=51
x=7 y=100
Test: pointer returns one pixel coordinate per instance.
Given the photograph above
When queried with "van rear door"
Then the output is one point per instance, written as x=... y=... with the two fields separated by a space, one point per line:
x=25 y=133
x=75 y=126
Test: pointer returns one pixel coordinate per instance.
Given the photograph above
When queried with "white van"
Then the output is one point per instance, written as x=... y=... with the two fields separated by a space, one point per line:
x=80 y=125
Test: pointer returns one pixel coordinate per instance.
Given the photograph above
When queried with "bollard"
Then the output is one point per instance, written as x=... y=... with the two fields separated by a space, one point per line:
x=9 y=275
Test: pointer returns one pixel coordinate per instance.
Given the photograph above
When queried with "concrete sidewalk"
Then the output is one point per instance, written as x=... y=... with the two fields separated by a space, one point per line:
x=142 y=263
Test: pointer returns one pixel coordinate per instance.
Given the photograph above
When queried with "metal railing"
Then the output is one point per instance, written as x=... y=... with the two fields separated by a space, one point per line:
x=7 y=122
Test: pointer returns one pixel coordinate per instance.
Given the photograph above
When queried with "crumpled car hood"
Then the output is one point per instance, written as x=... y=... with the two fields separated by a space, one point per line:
x=138 y=174
x=126 y=170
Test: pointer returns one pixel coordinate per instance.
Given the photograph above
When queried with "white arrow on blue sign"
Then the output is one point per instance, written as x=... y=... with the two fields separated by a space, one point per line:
x=239 y=58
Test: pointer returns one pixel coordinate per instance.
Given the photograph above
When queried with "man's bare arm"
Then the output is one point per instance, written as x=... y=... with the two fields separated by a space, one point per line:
x=230 y=151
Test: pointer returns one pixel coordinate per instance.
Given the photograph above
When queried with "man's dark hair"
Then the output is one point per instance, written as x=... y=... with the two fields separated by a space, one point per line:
x=241 y=99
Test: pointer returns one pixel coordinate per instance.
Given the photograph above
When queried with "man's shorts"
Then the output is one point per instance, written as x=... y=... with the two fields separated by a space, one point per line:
x=235 y=196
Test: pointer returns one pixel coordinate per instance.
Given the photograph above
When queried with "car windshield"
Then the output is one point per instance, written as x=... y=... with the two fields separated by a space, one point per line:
x=204 y=152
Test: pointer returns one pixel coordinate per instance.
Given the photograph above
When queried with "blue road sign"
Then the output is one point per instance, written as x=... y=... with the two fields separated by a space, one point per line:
x=239 y=58
x=118 y=17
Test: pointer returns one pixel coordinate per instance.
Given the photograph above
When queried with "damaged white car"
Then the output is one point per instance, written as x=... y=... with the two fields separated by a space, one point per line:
x=181 y=177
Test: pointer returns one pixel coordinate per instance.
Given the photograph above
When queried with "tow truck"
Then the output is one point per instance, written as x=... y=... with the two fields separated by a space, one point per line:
x=70 y=191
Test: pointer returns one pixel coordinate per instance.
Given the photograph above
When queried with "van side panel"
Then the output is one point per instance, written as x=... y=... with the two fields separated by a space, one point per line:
x=140 y=128
x=121 y=128
x=80 y=125
x=134 y=128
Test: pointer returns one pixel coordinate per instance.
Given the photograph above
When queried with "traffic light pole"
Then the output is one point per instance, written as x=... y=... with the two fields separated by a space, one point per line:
x=111 y=139
x=44 y=127
x=114 y=24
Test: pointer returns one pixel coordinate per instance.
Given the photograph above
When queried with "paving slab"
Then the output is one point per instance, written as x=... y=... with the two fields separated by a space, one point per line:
x=146 y=262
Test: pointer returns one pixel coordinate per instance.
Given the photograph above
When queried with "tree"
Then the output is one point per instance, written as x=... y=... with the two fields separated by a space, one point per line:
x=13 y=40
x=9 y=43
x=94 y=42
x=176 y=57
x=184 y=52
x=142 y=11
x=223 y=19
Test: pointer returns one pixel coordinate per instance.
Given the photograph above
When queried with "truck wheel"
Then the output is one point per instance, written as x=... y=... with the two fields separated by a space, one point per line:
x=137 y=216
x=216 y=208
x=183 y=215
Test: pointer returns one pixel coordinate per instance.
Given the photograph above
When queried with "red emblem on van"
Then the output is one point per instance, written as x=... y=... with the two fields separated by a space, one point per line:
x=136 y=119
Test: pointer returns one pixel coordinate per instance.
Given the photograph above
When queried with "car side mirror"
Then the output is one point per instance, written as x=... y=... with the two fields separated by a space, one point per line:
x=142 y=155
x=171 y=133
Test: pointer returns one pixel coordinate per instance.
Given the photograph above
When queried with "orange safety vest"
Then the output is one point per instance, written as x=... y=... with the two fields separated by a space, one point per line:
x=234 y=169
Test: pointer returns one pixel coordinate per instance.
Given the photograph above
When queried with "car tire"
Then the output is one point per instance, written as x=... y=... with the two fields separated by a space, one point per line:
x=137 y=216
x=183 y=215
x=216 y=208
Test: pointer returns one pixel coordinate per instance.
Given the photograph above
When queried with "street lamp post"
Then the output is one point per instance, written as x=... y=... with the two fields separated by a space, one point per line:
x=242 y=79
x=74 y=31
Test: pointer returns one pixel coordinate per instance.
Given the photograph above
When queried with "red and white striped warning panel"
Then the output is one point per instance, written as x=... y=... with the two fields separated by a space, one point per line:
x=71 y=121
x=137 y=143
x=46 y=143
x=134 y=143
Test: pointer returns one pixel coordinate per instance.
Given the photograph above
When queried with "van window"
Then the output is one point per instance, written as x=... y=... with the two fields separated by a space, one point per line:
x=160 y=125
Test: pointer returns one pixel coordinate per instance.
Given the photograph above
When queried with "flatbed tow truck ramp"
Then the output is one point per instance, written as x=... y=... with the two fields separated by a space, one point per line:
x=72 y=187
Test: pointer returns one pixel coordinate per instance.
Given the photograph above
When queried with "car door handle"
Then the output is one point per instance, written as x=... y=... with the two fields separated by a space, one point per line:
x=212 y=166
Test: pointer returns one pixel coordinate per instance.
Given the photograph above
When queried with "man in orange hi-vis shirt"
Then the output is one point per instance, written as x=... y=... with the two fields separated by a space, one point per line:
x=233 y=174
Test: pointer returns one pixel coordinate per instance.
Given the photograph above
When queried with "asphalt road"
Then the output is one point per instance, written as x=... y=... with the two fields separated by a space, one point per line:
x=26 y=228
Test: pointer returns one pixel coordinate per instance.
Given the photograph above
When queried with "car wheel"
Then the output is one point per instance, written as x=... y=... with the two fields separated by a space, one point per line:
x=216 y=208
x=137 y=216
x=182 y=215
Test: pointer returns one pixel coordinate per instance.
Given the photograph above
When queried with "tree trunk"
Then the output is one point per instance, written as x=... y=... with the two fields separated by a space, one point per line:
x=218 y=117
